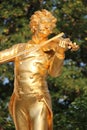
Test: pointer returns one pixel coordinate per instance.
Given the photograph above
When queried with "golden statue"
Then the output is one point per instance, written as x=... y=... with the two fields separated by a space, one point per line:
x=30 y=104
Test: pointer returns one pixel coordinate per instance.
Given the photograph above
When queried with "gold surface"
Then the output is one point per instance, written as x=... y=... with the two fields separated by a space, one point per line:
x=30 y=104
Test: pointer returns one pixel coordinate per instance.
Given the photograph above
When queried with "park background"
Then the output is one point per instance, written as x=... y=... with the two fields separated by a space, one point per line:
x=69 y=91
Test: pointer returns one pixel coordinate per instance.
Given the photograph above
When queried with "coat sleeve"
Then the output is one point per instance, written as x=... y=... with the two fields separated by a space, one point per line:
x=8 y=54
x=56 y=64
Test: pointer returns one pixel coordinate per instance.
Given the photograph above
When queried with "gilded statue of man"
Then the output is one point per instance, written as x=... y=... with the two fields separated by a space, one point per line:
x=30 y=104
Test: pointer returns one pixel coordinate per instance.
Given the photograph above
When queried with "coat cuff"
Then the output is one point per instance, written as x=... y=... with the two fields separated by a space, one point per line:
x=60 y=56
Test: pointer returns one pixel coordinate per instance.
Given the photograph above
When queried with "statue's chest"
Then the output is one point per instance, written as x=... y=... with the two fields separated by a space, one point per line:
x=34 y=63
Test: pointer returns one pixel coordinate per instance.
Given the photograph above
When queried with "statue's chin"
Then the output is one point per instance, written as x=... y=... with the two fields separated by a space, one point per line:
x=44 y=34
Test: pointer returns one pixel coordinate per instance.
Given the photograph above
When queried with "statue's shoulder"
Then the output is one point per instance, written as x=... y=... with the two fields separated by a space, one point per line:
x=23 y=46
x=19 y=45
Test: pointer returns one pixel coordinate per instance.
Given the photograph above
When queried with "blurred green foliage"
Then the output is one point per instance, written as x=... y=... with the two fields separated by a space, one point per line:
x=69 y=91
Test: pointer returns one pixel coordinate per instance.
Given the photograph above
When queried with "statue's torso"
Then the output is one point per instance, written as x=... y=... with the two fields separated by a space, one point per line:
x=31 y=71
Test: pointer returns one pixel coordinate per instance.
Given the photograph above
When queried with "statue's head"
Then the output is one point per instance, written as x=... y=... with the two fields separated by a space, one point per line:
x=42 y=22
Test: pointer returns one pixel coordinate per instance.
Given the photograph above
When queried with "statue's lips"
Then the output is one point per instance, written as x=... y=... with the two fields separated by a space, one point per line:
x=46 y=32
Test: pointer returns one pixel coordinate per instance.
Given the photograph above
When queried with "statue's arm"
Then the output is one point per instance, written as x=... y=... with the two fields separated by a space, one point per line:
x=56 y=61
x=59 y=47
x=8 y=54
x=56 y=65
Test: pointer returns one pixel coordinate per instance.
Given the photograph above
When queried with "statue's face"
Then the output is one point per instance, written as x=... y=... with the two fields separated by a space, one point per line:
x=44 y=28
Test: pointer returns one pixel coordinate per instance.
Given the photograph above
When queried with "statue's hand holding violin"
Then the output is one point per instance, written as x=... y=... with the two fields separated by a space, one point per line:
x=65 y=44
x=60 y=45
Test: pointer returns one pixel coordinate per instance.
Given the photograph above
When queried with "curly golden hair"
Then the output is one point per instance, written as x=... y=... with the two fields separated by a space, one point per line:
x=40 y=17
